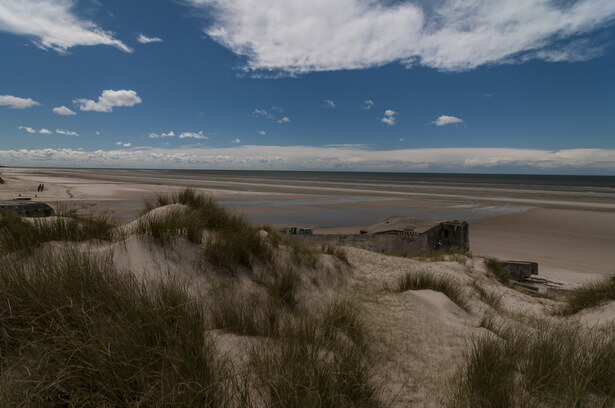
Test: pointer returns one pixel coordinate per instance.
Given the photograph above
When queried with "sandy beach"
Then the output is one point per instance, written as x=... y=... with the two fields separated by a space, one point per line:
x=568 y=232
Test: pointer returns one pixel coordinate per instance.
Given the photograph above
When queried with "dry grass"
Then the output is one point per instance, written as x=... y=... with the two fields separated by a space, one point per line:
x=589 y=295
x=74 y=332
x=426 y=280
x=560 y=365
x=17 y=234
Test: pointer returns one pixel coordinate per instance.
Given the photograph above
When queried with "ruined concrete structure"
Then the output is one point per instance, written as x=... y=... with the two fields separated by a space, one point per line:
x=402 y=236
x=27 y=208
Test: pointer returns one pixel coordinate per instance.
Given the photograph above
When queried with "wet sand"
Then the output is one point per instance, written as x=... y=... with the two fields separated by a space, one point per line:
x=569 y=231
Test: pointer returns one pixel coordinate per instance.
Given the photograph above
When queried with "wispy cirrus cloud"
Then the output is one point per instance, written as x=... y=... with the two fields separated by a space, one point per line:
x=367 y=104
x=143 y=39
x=320 y=35
x=53 y=25
x=446 y=120
x=108 y=100
x=63 y=110
x=15 y=102
x=576 y=161
x=328 y=103
x=261 y=113
x=45 y=131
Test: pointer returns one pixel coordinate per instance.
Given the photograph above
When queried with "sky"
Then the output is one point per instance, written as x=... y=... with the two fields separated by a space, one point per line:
x=472 y=86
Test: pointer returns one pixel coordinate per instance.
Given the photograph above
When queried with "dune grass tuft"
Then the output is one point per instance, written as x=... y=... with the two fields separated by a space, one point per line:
x=74 y=332
x=491 y=298
x=589 y=295
x=234 y=242
x=243 y=312
x=18 y=234
x=336 y=252
x=558 y=365
x=318 y=361
x=497 y=270
x=425 y=280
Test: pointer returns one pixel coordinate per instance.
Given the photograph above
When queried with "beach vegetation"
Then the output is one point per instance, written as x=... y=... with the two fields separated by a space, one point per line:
x=497 y=270
x=75 y=332
x=336 y=252
x=588 y=295
x=1 y=180
x=424 y=280
x=243 y=312
x=562 y=364
x=320 y=359
x=17 y=233
x=489 y=297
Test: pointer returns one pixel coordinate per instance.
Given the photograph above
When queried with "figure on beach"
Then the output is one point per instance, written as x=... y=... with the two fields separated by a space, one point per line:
x=41 y=187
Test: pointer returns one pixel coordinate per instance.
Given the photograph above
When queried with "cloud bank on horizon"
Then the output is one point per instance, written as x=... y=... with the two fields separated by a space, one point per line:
x=342 y=158
x=449 y=35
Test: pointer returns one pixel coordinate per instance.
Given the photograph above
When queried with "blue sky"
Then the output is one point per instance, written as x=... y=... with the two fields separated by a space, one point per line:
x=447 y=85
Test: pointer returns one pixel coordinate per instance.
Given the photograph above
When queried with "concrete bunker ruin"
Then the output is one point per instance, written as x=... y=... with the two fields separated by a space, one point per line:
x=401 y=236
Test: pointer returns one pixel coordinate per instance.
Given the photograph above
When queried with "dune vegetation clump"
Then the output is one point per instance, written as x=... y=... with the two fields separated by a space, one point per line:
x=562 y=364
x=425 y=280
x=17 y=233
x=589 y=295
x=75 y=332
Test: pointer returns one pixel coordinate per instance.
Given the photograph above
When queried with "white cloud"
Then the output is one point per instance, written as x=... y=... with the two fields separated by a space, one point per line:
x=389 y=117
x=367 y=104
x=63 y=110
x=157 y=135
x=123 y=144
x=193 y=135
x=53 y=25
x=118 y=143
x=97 y=133
x=262 y=113
x=446 y=120
x=401 y=139
x=285 y=119
x=15 y=102
x=127 y=144
x=328 y=103
x=146 y=40
x=320 y=35
x=236 y=141
x=109 y=100
x=66 y=132
x=571 y=161
x=262 y=133
x=45 y=131
x=27 y=129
